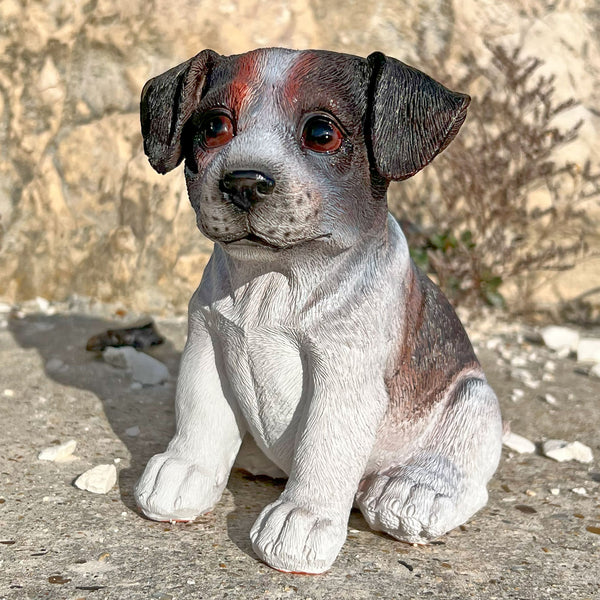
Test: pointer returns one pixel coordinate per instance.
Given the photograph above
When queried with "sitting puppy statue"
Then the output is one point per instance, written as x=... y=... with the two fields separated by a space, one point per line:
x=312 y=334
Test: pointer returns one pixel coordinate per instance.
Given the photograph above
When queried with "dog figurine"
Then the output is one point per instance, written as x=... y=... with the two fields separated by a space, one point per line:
x=312 y=334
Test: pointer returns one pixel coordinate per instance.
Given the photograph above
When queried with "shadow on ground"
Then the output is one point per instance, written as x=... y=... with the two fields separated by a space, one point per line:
x=60 y=341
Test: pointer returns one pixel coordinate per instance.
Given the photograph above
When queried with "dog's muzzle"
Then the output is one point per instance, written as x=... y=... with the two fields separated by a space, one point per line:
x=244 y=188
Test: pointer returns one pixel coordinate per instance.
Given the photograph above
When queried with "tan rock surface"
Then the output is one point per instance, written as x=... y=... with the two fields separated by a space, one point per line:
x=82 y=211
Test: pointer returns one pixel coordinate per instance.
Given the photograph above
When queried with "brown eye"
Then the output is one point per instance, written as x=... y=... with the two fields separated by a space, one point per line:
x=216 y=131
x=321 y=134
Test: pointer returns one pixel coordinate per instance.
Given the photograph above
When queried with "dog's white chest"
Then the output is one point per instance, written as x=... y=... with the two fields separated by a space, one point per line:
x=264 y=369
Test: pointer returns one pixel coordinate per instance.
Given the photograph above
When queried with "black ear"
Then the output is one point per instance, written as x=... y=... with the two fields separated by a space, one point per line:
x=411 y=119
x=167 y=103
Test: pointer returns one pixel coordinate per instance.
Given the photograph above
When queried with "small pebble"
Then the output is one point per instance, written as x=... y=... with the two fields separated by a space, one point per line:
x=530 y=493
x=532 y=384
x=550 y=366
x=588 y=350
x=5 y=308
x=133 y=431
x=595 y=371
x=559 y=338
x=42 y=303
x=555 y=491
x=526 y=378
x=518 y=361
x=562 y=451
x=60 y=453
x=493 y=343
x=518 y=443
x=54 y=364
x=136 y=385
x=517 y=394
x=98 y=480
x=550 y=399
x=580 y=491
x=8 y=393
x=144 y=368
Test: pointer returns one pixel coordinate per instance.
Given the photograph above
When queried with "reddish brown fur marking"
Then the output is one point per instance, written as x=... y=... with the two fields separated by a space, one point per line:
x=244 y=81
x=435 y=349
x=296 y=78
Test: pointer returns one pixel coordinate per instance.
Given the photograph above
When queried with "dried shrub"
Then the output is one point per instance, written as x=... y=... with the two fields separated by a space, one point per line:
x=472 y=222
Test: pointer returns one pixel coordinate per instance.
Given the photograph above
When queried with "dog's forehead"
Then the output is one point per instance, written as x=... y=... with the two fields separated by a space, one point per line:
x=291 y=79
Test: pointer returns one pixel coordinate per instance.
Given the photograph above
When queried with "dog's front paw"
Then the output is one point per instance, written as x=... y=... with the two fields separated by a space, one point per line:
x=173 y=488
x=294 y=539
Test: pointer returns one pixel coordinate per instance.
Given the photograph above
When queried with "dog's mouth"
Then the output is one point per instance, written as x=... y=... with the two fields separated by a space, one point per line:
x=251 y=239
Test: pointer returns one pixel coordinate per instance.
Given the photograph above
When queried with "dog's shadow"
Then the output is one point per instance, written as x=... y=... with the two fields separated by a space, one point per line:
x=60 y=341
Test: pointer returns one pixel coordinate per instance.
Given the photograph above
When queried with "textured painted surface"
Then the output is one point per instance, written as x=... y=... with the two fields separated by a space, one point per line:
x=310 y=299
x=81 y=210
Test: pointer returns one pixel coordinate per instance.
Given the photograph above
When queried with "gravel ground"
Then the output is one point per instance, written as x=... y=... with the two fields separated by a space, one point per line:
x=536 y=539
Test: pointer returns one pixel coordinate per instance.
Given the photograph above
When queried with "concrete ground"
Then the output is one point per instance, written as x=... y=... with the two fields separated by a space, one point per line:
x=57 y=541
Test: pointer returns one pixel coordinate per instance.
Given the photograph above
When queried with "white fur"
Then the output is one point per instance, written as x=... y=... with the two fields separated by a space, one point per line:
x=299 y=365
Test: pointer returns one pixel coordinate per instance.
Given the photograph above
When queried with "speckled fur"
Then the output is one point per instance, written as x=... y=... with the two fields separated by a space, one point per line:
x=343 y=367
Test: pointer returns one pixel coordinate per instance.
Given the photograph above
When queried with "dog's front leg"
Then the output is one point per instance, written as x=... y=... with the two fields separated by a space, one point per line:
x=305 y=528
x=189 y=477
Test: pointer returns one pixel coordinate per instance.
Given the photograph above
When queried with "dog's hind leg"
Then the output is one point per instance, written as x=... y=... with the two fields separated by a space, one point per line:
x=443 y=483
x=252 y=459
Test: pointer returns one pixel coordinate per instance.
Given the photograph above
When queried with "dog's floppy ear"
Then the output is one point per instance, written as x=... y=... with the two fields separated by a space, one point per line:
x=167 y=103
x=411 y=119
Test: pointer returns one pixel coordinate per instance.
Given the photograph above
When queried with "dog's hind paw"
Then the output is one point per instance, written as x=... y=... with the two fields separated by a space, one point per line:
x=416 y=506
x=293 y=539
x=175 y=489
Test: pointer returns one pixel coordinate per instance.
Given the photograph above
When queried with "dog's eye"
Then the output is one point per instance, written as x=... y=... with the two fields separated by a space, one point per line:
x=216 y=131
x=321 y=134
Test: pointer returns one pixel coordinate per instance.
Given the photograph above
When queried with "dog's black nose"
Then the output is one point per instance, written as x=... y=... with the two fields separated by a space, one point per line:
x=244 y=188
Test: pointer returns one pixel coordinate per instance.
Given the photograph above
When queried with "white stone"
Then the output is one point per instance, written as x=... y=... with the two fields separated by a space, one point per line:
x=493 y=343
x=550 y=399
x=54 y=364
x=133 y=431
x=43 y=304
x=8 y=393
x=98 y=480
x=518 y=361
x=517 y=394
x=581 y=491
x=60 y=453
x=555 y=491
x=143 y=368
x=518 y=443
x=562 y=451
x=550 y=366
x=595 y=371
x=588 y=350
x=558 y=338
x=5 y=308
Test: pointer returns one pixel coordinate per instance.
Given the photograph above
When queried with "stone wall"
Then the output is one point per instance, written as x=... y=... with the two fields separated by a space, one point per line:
x=81 y=209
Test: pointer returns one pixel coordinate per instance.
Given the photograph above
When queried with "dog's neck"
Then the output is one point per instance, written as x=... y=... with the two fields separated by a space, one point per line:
x=307 y=270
